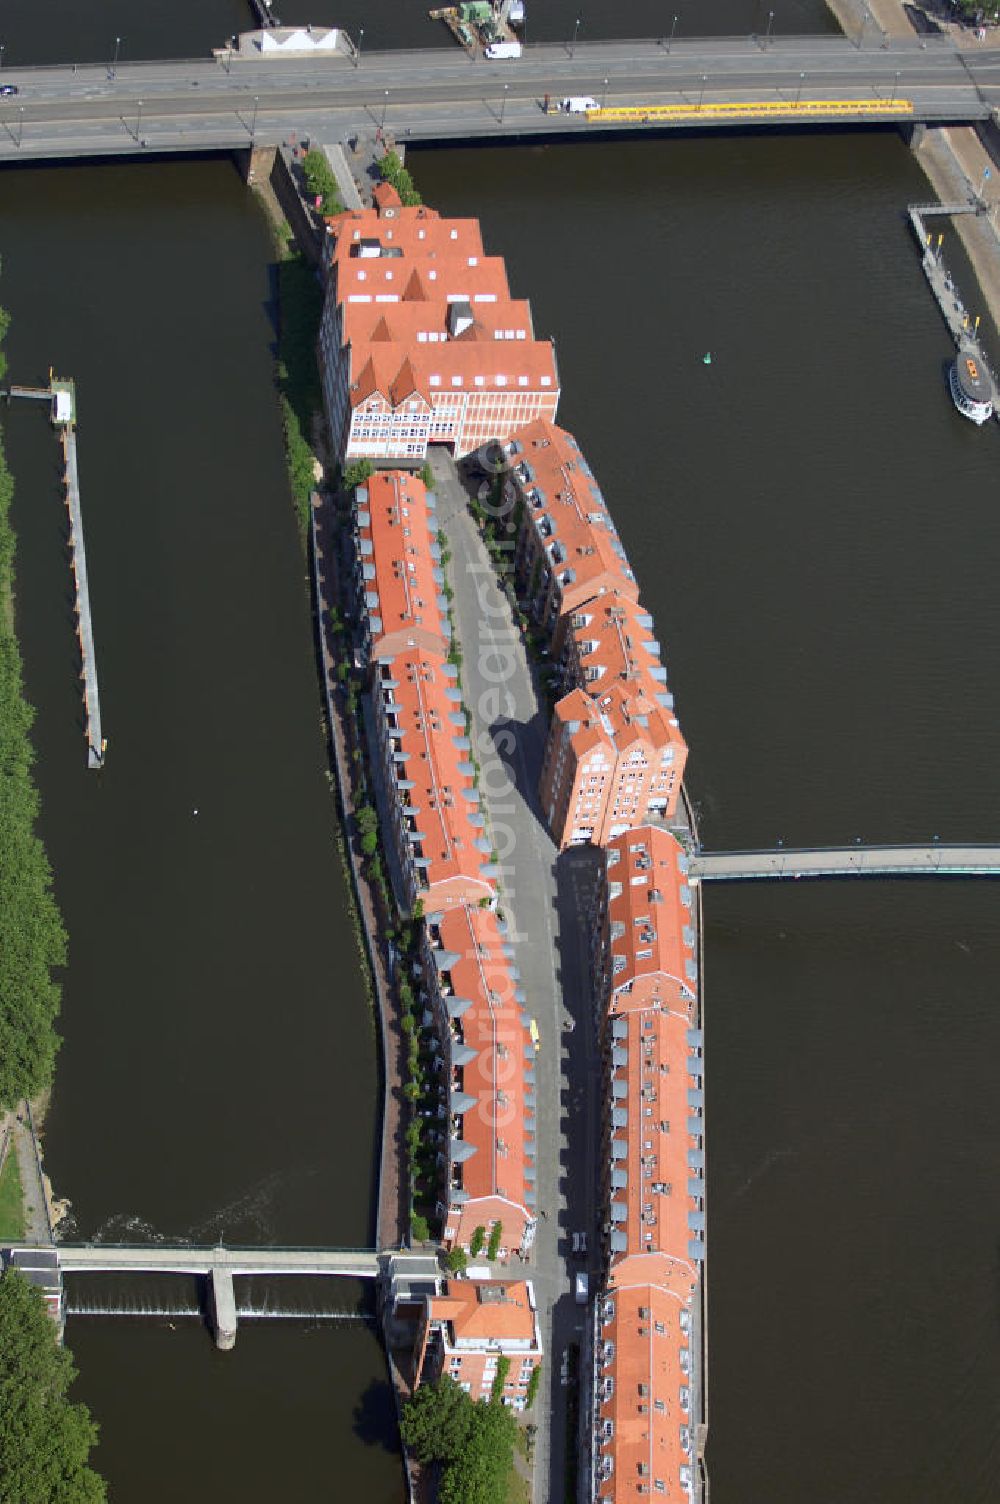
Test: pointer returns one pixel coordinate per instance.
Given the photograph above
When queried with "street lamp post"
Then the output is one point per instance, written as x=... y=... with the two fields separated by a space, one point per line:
x=253 y=122
x=673 y=31
x=20 y=129
x=138 y=119
x=503 y=102
x=114 y=61
x=2 y=47
x=604 y=96
x=361 y=38
x=576 y=32
x=385 y=109
x=895 y=86
x=701 y=96
x=770 y=23
x=798 y=96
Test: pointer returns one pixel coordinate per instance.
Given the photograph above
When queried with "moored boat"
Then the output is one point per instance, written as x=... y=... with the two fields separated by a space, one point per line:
x=971 y=384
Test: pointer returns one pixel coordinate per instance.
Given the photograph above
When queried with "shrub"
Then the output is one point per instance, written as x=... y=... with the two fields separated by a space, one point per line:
x=357 y=473
x=477 y=1240
x=533 y=1383
x=457 y=1260
x=419 y=1227
x=496 y=1234
x=321 y=183
x=500 y=1377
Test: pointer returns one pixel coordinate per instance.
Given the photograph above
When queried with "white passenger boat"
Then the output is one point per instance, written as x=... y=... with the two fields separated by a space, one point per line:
x=971 y=384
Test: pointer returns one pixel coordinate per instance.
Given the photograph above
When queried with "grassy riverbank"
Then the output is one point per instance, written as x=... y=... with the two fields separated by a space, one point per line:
x=11 y=1209
x=32 y=938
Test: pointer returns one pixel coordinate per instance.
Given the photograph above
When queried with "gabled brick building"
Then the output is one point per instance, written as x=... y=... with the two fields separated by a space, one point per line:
x=468 y=1329
x=420 y=340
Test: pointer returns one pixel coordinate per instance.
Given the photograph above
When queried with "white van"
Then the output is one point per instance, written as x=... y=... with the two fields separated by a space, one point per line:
x=503 y=49
x=579 y=104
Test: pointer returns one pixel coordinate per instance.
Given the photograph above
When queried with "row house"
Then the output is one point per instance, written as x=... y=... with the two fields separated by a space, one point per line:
x=610 y=764
x=420 y=341
x=647 y=1393
x=465 y=1332
x=647 y=1403
x=431 y=809
x=398 y=576
x=568 y=550
x=488 y=1058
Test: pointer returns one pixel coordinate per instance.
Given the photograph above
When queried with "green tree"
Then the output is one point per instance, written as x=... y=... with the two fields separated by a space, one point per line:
x=32 y=938
x=394 y=172
x=478 y=1474
x=437 y=1420
x=533 y=1383
x=457 y=1259
x=496 y=1234
x=357 y=473
x=427 y=476
x=369 y=843
x=321 y=182
x=419 y=1227
x=45 y=1441
x=477 y=1240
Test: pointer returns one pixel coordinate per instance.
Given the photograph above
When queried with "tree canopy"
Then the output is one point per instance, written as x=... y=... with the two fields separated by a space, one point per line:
x=473 y=1440
x=45 y=1440
x=32 y=939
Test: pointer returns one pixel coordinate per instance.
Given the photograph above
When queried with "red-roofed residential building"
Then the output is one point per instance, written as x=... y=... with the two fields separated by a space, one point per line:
x=488 y=1057
x=568 y=549
x=397 y=567
x=648 y=1403
x=467 y=1330
x=420 y=341
x=647 y=1385
x=432 y=802
x=611 y=763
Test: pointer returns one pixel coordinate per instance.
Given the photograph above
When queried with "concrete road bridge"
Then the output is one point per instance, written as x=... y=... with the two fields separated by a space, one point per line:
x=236 y=100
x=937 y=860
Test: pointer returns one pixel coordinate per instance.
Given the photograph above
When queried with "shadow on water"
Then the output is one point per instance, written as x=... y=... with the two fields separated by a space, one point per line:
x=374 y=1417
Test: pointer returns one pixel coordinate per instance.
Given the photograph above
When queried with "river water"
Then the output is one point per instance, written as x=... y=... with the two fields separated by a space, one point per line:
x=815 y=530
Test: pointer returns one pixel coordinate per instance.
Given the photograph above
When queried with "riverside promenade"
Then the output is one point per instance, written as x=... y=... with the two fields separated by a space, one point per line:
x=392 y=1220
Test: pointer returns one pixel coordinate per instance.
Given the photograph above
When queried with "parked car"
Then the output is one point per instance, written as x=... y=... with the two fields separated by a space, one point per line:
x=581 y=1289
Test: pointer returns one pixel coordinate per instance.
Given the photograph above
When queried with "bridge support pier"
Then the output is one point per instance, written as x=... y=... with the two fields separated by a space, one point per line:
x=914 y=134
x=223 y=1298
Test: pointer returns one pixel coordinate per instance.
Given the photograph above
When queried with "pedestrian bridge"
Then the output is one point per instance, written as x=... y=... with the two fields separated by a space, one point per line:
x=936 y=860
x=183 y=1258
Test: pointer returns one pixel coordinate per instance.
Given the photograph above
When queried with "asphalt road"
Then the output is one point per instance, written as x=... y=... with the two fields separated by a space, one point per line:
x=205 y=103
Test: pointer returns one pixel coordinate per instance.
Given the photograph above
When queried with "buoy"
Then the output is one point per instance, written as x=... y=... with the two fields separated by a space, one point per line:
x=194 y=811
x=707 y=357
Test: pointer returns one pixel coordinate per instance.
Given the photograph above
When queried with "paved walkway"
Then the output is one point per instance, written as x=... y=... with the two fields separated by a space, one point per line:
x=392 y=1222
x=547 y=902
x=37 y=1228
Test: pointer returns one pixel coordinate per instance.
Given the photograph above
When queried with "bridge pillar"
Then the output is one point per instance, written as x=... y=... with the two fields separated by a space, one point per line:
x=914 y=134
x=223 y=1309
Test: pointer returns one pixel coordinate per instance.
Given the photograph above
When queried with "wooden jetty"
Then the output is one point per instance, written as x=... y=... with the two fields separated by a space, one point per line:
x=61 y=394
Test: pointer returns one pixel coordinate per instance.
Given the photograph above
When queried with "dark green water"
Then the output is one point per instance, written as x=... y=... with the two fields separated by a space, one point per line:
x=816 y=533
x=218 y=1076
x=64 y=31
